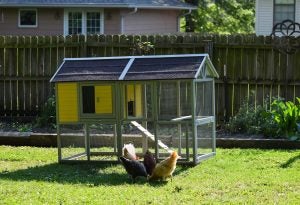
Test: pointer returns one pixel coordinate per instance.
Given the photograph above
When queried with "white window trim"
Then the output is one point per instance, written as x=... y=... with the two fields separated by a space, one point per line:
x=27 y=26
x=83 y=11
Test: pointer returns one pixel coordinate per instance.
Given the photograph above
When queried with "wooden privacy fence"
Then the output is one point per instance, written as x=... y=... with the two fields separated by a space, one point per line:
x=247 y=65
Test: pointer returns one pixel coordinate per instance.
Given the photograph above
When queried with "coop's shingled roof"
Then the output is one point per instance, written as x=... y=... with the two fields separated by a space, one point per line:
x=154 y=4
x=134 y=68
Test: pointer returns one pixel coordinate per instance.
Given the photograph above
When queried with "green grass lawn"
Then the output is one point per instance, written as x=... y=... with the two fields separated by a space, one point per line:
x=235 y=176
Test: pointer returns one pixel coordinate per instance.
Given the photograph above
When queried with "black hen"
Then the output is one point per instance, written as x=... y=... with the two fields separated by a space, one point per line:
x=134 y=168
x=149 y=162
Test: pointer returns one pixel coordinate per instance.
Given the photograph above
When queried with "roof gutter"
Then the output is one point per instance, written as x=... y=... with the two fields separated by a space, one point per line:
x=180 y=16
x=97 y=5
x=123 y=18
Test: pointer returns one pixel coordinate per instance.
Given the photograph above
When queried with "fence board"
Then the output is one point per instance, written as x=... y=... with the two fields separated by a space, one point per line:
x=253 y=66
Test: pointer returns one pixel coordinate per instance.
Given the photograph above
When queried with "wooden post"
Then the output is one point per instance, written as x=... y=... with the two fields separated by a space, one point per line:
x=194 y=126
x=58 y=143
x=208 y=47
x=226 y=93
x=87 y=141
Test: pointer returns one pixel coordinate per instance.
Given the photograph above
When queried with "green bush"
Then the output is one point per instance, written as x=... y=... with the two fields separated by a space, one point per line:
x=47 y=117
x=280 y=119
x=252 y=120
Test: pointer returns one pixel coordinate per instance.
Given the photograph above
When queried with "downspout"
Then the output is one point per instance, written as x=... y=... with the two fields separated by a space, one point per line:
x=123 y=17
x=180 y=16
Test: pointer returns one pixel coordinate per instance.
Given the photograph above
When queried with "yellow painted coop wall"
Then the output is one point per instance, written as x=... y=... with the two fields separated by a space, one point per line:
x=67 y=102
x=103 y=99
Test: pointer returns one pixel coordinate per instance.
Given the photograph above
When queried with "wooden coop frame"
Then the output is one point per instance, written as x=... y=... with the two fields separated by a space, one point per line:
x=158 y=91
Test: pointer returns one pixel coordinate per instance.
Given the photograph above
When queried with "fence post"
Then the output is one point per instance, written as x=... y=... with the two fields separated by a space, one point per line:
x=208 y=47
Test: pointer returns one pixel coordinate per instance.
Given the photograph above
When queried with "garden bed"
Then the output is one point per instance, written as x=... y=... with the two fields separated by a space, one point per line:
x=222 y=141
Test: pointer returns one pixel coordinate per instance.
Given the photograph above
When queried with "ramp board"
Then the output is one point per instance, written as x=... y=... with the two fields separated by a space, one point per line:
x=151 y=136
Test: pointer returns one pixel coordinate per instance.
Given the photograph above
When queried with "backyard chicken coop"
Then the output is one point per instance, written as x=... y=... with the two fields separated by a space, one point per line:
x=160 y=103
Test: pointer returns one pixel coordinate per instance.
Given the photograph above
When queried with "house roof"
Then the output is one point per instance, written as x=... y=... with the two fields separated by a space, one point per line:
x=134 y=68
x=153 y=4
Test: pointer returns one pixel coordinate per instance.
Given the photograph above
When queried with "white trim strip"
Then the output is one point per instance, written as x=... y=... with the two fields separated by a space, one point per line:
x=122 y=76
x=57 y=71
x=200 y=67
x=212 y=67
x=150 y=56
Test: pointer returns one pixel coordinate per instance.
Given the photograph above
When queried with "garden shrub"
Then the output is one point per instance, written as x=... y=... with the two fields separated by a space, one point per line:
x=253 y=120
x=280 y=119
x=47 y=117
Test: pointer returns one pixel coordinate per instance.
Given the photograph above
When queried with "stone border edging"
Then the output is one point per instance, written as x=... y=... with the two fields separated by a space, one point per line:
x=49 y=140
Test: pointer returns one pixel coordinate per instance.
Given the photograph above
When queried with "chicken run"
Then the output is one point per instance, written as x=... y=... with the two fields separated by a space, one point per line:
x=162 y=105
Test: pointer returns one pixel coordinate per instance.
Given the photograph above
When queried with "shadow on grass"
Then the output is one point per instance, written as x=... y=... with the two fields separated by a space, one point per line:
x=178 y=170
x=91 y=175
x=290 y=161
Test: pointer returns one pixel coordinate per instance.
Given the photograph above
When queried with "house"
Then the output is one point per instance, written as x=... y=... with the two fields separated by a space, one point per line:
x=65 y=17
x=172 y=96
x=270 y=12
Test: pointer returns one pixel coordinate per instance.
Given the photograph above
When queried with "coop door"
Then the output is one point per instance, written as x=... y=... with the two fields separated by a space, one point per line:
x=103 y=99
x=97 y=99
x=133 y=100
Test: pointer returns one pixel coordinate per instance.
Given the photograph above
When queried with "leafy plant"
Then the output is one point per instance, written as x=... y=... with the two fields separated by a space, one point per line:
x=47 y=116
x=280 y=119
x=22 y=127
x=286 y=115
x=251 y=120
x=142 y=48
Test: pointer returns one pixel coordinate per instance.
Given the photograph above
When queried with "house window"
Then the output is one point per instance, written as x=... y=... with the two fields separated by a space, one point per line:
x=283 y=10
x=75 y=23
x=28 y=18
x=93 y=22
x=83 y=22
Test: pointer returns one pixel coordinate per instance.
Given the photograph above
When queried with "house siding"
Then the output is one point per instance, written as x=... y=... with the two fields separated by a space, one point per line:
x=50 y=22
x=264 y=17
x=112 y=21
x=150 y=21
x=297 y=11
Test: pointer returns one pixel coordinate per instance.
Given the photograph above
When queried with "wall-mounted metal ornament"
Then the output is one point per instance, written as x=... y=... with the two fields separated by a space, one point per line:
x=285 y=36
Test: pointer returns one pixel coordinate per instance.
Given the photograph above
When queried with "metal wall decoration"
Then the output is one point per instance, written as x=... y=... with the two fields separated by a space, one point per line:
x=285 y=36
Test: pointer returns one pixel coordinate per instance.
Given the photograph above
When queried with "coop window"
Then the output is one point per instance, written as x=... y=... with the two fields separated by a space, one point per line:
x=283 y=10
x=88 y=99
x=27 y=18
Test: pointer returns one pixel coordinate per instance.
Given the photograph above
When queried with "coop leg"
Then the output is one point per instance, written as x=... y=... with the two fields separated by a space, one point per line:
x=144 y=139
x=87 y=141
x=58 y=143
x=115 y=138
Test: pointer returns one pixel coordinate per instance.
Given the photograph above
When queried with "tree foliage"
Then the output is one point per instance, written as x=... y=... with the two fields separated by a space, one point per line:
x=223 y=16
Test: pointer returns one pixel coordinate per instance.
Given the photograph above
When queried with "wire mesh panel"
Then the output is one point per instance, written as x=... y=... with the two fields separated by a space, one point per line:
x=167 y=95
x=169 y=135
x=140 y=134
x=103 y=141
x=204 y=98
x=73 y=145
x=205 y=138
x=185 y=99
